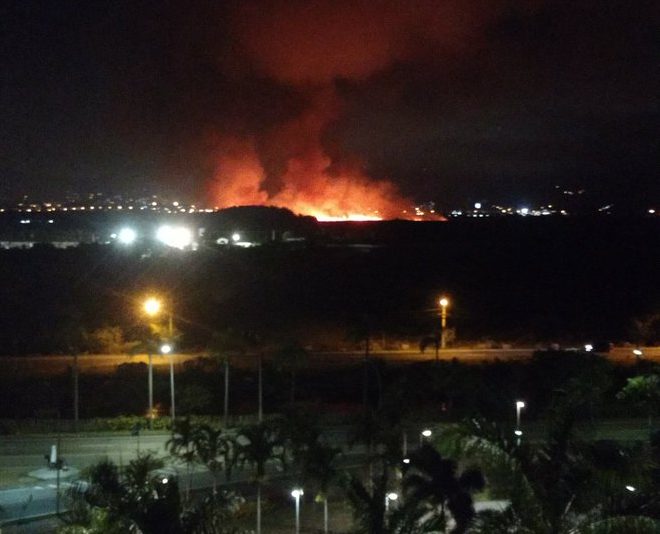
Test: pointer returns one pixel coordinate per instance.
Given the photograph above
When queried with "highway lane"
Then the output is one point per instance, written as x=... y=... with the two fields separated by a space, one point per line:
x=107 y=363
x=31 y=497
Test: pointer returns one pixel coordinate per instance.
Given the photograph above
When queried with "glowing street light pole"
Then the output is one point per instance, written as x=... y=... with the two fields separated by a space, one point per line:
x=519 y=406
x=167 y=349
x=444 y=302
x=152 y=307
x=296 y=494
x=426 y=433
x=390 y=497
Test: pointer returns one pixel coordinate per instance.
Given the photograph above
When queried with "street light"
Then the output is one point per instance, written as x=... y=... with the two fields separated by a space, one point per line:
x=426 y=433
x=167 y=349
x=296 y=493
x=152 y=307
x=444 y=302
x=390 y=497
x=519 y=406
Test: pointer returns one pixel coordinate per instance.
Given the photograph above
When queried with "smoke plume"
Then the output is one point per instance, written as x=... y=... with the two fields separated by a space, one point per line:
x=307 y=46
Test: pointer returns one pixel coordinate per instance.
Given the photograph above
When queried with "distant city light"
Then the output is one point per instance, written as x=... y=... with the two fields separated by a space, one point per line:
x=524 y=211
x=426 y=433
x=406 y=460
x=517 y=432
x=588 y=347
x=638 y=352
x=126 y=236
x=631 y=488
x=520 y=404
x=174 y=236
x=477 y=205
x=166 y=348
x=236 y=237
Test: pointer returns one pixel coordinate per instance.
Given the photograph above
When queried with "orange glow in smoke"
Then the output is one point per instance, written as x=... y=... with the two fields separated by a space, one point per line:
x=307 y=182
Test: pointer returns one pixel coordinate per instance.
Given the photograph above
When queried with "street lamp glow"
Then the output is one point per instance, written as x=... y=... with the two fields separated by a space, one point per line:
x=631 y=488
x=127 y=236
x=444 y=302
x=406 y=460
x=638 y=352
x=390 y=497
x=588 y=347
x=174 y=236
x=166 y=348
x=519 y=406
x=426 y=433
x=235 y=237
x=296 y=493
x=152 y=306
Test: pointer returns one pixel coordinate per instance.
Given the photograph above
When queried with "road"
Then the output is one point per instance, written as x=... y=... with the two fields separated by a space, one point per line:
x=23 y=496
x=107 y=363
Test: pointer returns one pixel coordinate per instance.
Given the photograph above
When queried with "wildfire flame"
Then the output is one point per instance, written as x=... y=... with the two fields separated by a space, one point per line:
x=309 y=184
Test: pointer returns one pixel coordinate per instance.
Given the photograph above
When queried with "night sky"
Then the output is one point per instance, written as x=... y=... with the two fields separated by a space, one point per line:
x=452 y=101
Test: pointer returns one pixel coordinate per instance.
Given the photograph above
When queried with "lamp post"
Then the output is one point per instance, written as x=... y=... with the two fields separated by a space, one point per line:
x=519 y=406
x=426 y=433
x=444 y=302
x=390 y=497
x=167 y=349
x=296 y=493
x=153 y=307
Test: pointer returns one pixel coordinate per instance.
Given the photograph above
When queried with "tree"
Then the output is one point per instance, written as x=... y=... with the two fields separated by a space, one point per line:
x=433 y=480
x=552 y=486
x=212 y=447
x=141 y=501
x=290 y=357
x=231 y=342
x=73 y=338
x=144 y=501
x=319 y=467
x=368 y=503
x=644 y=393
x=182 y=445
x=259 y=444
x=224 y=344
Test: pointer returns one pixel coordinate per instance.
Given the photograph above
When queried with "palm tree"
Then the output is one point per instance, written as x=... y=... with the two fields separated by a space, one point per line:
x=290 y=357
x=182 y=445
x=552 y=487
x=368 y=503
x=73 y=337
x=225 y=344
x=433 y=480
x=138 y=502
x=319 y=466
x=259 y=444
x=212 y=448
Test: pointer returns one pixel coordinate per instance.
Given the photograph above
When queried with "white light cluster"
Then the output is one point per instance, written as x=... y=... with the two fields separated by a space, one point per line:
x=174 y=236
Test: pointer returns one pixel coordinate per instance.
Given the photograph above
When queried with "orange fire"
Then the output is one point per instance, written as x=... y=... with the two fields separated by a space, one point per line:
x=309 y=182
x=309 y=188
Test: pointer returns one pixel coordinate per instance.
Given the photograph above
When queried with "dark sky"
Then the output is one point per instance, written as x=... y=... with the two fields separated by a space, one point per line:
x=454 y=101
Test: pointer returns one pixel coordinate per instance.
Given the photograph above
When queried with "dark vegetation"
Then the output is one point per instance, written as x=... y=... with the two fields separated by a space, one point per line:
x=446 y=391
x=509 y=280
